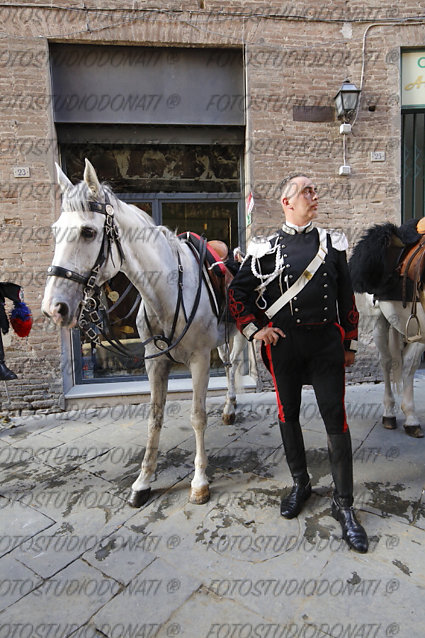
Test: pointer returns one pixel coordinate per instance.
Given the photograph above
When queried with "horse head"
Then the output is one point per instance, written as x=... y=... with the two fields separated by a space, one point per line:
x=85 y=237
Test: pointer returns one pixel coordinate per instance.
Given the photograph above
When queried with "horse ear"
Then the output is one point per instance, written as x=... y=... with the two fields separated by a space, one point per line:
x=91 y=179
x=63 y=180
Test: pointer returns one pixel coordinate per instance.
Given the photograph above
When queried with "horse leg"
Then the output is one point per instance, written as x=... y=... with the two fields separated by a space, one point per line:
x=381 y=338
x=233 y=373
x=199 y=368
x=157 y=370
x=411 y=360
x=253 y=366
x=231 y=364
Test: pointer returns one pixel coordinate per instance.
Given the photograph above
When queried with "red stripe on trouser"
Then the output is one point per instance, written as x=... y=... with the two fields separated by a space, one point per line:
x=279 y=404
x=342 y=331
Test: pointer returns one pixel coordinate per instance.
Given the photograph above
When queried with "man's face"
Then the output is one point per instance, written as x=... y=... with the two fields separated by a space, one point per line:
x=300 y=201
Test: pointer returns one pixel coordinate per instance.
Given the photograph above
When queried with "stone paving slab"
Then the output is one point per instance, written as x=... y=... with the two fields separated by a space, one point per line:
x=123 y=554
x=117 y=462
x=367 y=595
x=22 y=428
x=16 y=582
x=63 y=497
x=217 y=618
x=30 y=448
x=67 y=601
x=56 y=547
x=69 y=431
x=152 y=596
x=18 y=522
x=19 y=479
x=227 y=569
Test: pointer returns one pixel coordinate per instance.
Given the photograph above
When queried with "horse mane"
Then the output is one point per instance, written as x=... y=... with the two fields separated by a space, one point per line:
x=76 y=199
x=368 y=260
x=374 y=259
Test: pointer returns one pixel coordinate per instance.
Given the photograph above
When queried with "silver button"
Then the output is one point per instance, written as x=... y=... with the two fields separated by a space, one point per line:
x=291 y=276
x=296 y=309
x=325 y=285
x=325 y=274
x=295 y=298
x=285 y=255
x=298 y=320
x=325 y=296
x=325 y=308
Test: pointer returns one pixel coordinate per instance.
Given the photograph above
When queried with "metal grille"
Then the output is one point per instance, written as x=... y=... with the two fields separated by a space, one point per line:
x=413 y=164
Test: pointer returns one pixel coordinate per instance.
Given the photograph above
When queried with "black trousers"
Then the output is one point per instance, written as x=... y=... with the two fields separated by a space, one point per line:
x=314 y=356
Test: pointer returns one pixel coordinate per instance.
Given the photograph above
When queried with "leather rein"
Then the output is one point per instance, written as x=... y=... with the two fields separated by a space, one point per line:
x=89 y=318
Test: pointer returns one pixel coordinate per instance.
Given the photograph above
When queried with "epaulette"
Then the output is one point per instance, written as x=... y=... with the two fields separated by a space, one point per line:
x=338 y=239
x=261 y=245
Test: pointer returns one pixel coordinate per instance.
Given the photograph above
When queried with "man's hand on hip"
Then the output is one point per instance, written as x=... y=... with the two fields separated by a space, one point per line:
x=269 y=335
x=349 y=357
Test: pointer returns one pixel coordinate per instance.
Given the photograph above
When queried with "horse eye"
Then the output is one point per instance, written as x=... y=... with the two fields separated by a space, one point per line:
x=88 y=233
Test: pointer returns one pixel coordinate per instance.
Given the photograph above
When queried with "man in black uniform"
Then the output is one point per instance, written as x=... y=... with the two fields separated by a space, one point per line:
x=293 y=293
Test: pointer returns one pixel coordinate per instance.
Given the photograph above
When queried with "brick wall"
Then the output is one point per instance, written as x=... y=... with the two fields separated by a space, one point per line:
x=296 y=54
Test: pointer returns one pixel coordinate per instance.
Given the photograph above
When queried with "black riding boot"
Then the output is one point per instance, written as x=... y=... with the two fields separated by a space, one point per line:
x=5 y=373
x=340 y=455
x=293 y=444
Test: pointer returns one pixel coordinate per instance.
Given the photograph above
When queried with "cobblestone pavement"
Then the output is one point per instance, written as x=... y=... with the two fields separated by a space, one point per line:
x=76 y=560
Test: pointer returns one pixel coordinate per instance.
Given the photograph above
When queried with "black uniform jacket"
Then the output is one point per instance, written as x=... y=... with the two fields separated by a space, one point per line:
x=327 y=298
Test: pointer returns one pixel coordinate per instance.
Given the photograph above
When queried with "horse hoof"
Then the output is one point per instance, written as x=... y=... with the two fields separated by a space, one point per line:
x=199 y=497
x=228 y=419
x=414 y=430
x=138 y=498
x=389 y=422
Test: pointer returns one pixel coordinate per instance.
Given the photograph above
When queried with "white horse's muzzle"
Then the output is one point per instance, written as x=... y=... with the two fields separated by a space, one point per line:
x=61 y=303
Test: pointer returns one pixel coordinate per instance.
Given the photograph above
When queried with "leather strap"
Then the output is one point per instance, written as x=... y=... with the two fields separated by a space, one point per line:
x=58 y=271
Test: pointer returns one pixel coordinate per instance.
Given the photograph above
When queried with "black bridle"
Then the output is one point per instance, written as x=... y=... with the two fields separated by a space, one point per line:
x=90 y=304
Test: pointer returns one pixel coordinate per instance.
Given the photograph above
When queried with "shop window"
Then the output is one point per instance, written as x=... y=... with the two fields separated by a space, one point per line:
x=185 y=187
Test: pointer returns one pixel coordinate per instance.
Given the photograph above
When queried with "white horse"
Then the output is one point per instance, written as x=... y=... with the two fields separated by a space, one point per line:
x=399 y=358
x=176 y=307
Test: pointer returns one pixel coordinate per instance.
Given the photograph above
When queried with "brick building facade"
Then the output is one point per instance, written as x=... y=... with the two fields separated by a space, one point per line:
x=293 y=58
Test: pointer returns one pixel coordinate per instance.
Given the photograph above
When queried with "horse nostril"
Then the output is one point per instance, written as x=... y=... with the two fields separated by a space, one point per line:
x=62 y=309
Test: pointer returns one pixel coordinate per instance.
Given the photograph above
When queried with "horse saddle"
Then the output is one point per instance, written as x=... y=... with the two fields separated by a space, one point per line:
x=412 y=263
x=216 y=274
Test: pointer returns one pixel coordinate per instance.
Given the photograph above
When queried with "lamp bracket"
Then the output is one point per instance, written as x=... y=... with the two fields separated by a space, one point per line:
x=345 y=129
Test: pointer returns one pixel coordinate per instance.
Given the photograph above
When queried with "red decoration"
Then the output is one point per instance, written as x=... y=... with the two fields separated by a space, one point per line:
x=21 y=319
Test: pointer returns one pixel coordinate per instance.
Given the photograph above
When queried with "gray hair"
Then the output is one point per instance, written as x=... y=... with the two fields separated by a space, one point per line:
x=285 y=184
